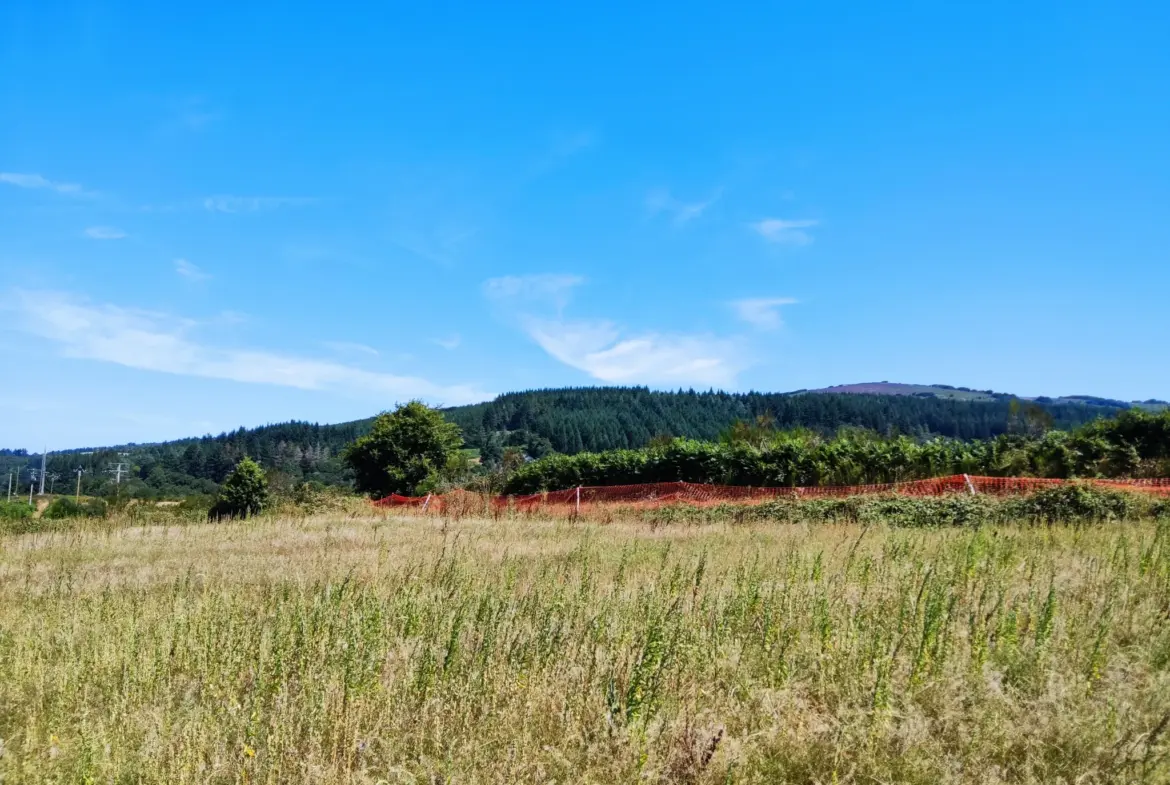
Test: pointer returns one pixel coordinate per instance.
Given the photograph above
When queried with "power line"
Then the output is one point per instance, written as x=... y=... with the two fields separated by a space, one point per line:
x=118 y=470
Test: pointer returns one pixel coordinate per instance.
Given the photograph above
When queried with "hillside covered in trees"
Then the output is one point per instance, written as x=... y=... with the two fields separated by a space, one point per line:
x=543 y=422
x=604 y=418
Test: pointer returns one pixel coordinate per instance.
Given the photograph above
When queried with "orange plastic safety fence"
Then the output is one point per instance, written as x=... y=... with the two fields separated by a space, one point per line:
x=663 y=493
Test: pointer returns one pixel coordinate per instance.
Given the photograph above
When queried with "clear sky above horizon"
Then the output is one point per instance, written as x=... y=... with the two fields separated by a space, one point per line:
x=228 y=214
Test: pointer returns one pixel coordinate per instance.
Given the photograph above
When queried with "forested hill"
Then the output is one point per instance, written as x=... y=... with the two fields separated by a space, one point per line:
x=602 y=418
x=543 y=421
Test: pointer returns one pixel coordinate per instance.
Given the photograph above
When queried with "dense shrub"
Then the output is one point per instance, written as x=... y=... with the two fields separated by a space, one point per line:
x=15 y=511
x=1080 y=503
x=1066 y=504
x=244 y=492
x=66 y=507
x=1133 y=444
x=17 y=518
x=196 y=503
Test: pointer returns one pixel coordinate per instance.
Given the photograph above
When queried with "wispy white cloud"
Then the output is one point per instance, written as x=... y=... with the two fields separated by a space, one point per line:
x=761 y=312
x=660 y=200
x=450 y=342
x=545 y=288
x=192 y=272
x=350 y=348
x=164 y=343
x=105 y=233
x=36 y=181
x=228 y=318
x=603 y=349
x=600 y=349
x=785 y=232
x=253 y=204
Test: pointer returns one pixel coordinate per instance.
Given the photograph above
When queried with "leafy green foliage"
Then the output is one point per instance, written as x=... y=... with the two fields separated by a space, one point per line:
x=244 y=492
x=15 y=511
x=1135 y=443
x=291 y=453
x=406 y=452
x=1068 y=504
x=1082 y=503
x=67 y=507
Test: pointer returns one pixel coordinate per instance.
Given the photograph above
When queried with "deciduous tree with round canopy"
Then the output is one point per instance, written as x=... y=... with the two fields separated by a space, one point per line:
x=406 y=451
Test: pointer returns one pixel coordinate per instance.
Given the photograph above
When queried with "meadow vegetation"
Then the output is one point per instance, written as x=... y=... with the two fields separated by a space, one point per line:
x=15 y=511
x=334 y=647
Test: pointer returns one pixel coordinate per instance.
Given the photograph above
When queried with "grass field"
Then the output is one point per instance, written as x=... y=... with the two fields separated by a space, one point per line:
x=404 y=650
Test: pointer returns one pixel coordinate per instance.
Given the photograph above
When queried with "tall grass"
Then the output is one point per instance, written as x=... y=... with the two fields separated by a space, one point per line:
x=422 y=650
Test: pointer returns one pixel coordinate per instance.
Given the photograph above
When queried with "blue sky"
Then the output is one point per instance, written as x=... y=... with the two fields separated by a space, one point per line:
x=230 y=214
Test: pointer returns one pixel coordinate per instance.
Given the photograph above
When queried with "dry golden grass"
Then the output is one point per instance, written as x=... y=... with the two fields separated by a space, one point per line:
x=411 y=650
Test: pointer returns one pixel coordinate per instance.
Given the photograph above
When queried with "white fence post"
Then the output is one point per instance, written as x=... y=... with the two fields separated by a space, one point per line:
x=970 y=485
x=426 y=502
x=577 y=509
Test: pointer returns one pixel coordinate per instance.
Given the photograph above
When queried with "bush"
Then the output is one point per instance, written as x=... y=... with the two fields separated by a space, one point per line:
x=1135 y=444
x=1064 y=504
x=65 y=507
x=17 y=518
x=196 y=503
x=15 y=511
x=314 y=498
x=244 y=492
x=1080 y=503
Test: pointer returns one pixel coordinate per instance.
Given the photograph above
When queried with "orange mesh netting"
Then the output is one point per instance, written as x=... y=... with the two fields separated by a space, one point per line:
x=664 y=493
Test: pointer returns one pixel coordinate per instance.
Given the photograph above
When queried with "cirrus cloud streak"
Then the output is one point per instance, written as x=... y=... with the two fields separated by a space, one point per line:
x=761 y=312
x=164 y=343
x=783 y=231
x=605 y=350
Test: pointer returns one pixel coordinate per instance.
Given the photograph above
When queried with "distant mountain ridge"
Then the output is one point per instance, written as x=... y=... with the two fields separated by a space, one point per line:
x=920 y=390
x=967 y=394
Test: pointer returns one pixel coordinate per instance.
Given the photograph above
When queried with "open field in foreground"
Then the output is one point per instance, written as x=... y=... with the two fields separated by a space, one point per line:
x=412 y=651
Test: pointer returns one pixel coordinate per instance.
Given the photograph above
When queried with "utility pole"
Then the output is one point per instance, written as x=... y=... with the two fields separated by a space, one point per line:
x=44 y=457
x=32 y=484
x=53 y=481
x=10 y=486
x=78 y=497
x=118 y=470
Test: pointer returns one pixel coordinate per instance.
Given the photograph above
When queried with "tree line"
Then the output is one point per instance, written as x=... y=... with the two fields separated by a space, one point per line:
x=1133 y=444
x=290 y=453
x=501 y=435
